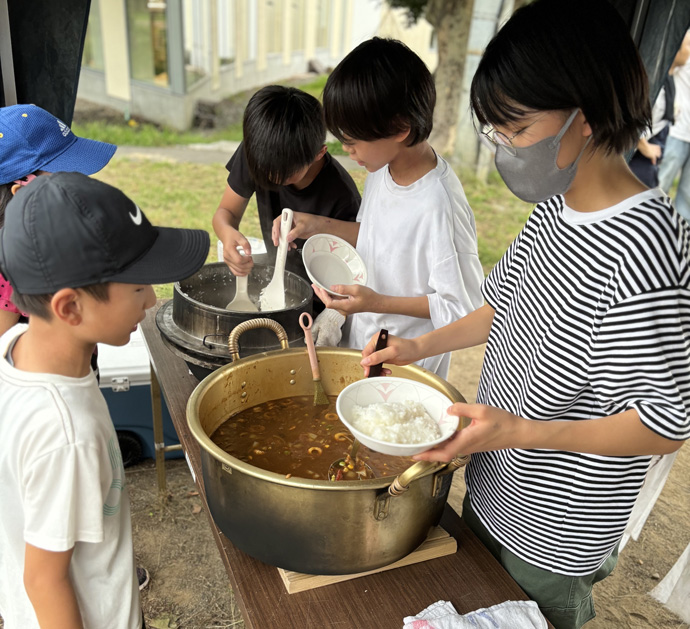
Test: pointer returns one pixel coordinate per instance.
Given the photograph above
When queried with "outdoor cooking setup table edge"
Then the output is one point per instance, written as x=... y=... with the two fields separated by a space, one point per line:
x=471 y=578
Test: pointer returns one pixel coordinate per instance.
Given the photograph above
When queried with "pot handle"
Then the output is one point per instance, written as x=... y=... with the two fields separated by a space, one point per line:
x=402 y=482
x=253 y=324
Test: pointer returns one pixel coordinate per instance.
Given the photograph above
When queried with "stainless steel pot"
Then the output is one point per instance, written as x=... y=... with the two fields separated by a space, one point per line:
x=195 y=324
x=310 y=526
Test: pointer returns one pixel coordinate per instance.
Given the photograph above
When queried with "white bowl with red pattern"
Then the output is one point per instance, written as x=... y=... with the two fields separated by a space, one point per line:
x=393 y=389
x=330 y=260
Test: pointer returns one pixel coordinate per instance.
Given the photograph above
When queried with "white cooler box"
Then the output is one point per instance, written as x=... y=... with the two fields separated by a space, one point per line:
x=126 y=386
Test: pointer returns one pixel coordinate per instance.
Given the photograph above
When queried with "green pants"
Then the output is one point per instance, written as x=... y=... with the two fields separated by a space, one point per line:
x=565 y=601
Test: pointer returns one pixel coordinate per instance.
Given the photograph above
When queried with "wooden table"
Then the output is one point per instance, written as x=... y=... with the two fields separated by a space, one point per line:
x=469 y=579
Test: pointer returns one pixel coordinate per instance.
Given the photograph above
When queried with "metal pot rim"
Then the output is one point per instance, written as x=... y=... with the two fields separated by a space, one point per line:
x=226 y=459
x=185 y=297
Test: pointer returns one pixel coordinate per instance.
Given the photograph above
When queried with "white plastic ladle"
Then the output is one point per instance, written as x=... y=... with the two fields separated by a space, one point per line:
x=273 y=296
x=241 y=301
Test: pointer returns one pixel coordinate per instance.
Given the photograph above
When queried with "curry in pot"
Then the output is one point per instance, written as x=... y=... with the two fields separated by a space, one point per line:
x=293 y=437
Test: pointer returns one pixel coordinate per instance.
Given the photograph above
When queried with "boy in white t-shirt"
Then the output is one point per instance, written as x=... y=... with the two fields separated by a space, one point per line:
x=415 y=229
x=80 y=257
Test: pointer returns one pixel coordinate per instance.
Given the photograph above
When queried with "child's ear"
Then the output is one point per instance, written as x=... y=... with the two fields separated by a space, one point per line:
x=66 y=306
x=402 y=136
x=586 y=128
x=321 y=153
x=24 y=181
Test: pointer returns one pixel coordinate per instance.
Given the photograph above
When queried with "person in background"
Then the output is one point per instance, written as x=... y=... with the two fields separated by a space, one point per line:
x=283 y=160
x=587 y=319
x=80 y=257
x=650 y=147
x=677 y=151
x=34 y=142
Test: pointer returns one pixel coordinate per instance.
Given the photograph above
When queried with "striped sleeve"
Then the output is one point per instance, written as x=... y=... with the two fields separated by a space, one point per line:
x=640 y=360
x=492 y=286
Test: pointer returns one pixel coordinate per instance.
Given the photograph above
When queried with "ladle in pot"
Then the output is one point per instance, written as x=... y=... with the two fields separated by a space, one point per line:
x=273 y=296
x=305 y=322
x=346 y=467
x=241 y=301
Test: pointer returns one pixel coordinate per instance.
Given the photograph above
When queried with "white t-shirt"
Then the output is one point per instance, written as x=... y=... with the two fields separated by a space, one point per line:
x=417 y=240
x=62 y=485
x=681 y=127
x=658 y=112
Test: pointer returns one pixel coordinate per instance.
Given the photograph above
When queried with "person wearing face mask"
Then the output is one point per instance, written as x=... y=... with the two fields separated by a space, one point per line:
x=587 y=319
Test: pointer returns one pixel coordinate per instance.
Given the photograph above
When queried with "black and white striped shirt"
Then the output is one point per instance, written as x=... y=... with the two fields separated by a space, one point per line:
x=592 y=319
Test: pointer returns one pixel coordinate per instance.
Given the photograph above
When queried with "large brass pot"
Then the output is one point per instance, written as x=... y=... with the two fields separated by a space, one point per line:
x=310 y=526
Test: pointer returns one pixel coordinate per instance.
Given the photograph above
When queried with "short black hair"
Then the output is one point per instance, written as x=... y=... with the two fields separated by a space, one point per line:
x=6 y=195
x=379 y=90
x=283 y=130
x=564 y=55
x=39 y=305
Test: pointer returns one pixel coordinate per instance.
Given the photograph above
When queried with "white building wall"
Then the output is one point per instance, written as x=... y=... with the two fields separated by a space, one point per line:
x=234 y=31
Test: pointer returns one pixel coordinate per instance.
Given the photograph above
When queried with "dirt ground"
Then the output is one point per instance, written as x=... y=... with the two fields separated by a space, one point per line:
x=189 y=588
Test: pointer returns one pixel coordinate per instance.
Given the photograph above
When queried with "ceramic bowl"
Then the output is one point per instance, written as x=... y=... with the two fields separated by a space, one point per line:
x=390 y=389
x=331 y=260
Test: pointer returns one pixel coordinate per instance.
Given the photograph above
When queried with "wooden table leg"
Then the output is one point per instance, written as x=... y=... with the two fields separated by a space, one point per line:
x=158 y=438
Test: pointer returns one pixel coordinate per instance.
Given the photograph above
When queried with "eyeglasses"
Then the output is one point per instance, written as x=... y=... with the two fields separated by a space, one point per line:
x=498 y=139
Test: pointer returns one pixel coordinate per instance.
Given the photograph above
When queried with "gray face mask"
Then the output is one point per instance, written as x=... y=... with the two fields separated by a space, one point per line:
x=531 y=172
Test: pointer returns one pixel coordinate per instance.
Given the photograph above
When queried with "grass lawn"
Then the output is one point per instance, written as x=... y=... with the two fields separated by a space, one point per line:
x=140 y=133
x=187 y=195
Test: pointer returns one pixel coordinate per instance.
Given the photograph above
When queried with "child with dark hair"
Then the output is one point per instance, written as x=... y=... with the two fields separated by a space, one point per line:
x=284 y=161
x=416 y=231
x=34 y=142
x=80 y=256
x=587 y=319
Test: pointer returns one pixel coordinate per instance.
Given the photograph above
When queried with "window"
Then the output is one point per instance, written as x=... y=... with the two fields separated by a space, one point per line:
x=323 y=8
x=148 y=41
x=274 y=26
x=226 y=31
x=197 y=61
x=93 y=41
x=297 y=8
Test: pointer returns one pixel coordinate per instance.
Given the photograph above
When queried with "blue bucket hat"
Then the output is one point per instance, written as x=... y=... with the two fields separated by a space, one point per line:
x=32 y=139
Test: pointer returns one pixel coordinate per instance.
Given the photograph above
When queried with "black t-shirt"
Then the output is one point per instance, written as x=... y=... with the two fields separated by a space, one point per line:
x=333 y=193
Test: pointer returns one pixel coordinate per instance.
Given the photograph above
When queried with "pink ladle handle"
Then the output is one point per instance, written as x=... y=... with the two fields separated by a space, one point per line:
x=309 y=339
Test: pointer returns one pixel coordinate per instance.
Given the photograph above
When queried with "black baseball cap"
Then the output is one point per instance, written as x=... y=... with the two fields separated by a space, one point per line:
x=66 y=230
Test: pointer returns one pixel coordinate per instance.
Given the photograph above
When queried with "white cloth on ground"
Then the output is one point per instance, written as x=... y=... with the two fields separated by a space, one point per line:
x=327 y=328
x=508 y=615
x=674 y=589
x=417 y=241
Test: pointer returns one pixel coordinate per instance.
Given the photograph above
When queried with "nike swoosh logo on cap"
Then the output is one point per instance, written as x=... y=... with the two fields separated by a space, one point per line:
x=136 y=218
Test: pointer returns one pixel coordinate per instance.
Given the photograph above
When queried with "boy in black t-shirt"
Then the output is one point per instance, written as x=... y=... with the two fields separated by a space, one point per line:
x=284 y=161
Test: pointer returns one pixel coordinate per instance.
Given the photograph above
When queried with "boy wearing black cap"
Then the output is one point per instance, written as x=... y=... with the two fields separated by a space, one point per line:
x=81 y=257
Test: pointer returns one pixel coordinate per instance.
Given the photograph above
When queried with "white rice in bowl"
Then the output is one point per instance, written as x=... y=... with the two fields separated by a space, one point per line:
x=396 y=422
